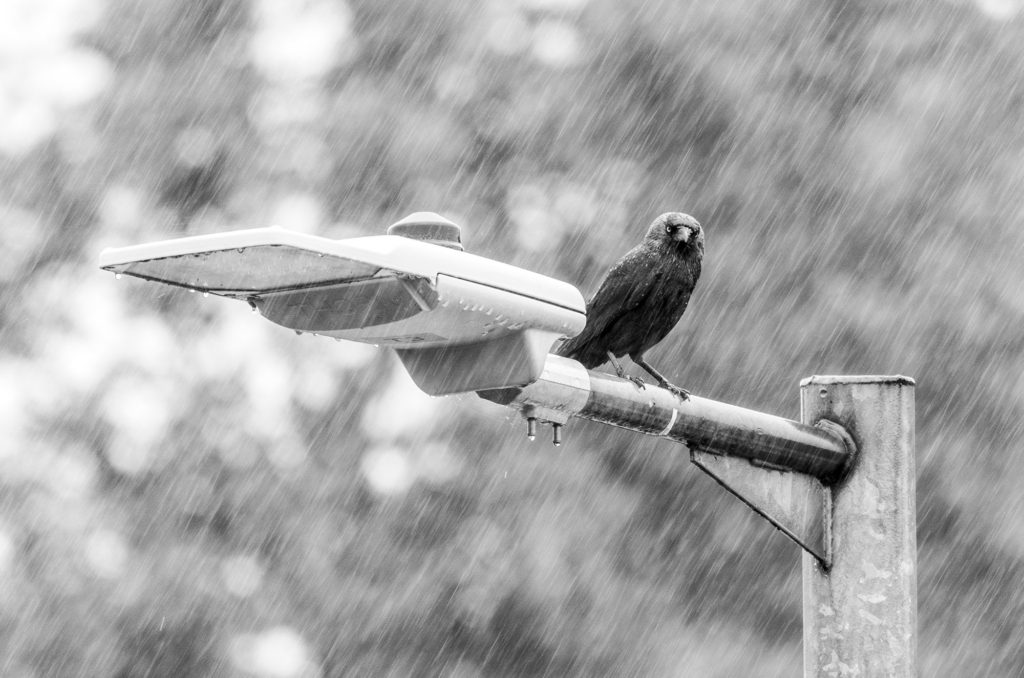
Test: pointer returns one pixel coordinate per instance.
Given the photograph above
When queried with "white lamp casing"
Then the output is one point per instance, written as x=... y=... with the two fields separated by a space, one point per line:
x=460 y=322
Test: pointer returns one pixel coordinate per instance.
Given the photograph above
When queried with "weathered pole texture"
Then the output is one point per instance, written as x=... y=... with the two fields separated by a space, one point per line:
x=860 y=615
x=567 y=389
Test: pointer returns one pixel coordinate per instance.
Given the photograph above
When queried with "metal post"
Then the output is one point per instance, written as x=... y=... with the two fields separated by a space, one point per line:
x=840 y=484
x=566 y=389
x=780 y=468
x=860 y=615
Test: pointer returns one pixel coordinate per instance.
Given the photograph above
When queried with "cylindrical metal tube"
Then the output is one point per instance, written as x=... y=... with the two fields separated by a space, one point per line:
x=567 y=388
x=860 y=615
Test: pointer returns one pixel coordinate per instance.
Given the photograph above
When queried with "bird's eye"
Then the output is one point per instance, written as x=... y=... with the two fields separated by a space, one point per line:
x=669 y=228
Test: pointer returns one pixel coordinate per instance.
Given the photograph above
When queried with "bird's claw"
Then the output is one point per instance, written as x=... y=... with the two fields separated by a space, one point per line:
x=677 y=391
x=638 y=382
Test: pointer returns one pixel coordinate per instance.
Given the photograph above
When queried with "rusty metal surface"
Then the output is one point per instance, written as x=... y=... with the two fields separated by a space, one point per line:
x=860 y=616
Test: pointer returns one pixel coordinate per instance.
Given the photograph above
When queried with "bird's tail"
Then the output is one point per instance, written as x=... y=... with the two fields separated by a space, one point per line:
x=566 y=348
x=582 y=350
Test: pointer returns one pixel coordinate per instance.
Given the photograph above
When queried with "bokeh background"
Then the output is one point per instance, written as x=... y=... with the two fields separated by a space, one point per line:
x=188 y=490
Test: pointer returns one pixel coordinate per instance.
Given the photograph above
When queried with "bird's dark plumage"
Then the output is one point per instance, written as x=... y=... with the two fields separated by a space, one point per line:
x=189 y=189
x=642 y=298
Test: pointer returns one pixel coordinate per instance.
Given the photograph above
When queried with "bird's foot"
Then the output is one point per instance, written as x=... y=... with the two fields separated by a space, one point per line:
x=677 y=391
x=637 y=381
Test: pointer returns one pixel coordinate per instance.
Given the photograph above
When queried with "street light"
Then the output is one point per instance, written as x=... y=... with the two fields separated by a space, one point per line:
x=459 y=322
x=840 y=483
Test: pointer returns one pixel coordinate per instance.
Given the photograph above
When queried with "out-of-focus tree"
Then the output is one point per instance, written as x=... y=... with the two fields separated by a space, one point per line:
x=186 y=489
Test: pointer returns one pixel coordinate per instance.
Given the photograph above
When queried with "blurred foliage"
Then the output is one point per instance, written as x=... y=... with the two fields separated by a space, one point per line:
x=186 y=490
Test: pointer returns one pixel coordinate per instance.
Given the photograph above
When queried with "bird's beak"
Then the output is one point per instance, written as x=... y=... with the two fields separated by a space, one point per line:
x=682 y=234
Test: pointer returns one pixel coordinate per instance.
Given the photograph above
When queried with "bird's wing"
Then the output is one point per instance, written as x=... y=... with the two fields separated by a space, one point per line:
x=625 y=287
x=627 y=284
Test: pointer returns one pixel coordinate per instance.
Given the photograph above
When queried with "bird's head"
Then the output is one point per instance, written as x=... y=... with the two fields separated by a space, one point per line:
x=677 y=230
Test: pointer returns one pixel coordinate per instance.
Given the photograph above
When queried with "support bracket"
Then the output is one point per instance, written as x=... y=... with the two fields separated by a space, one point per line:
x=795 y=503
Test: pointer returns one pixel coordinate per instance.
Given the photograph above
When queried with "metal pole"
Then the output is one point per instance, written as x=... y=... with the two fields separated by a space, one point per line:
x=566 y=389
x=860 y=615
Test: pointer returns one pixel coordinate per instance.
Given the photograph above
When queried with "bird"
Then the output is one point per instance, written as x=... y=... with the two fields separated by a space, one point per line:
x=190 y=188
x=641 y=299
